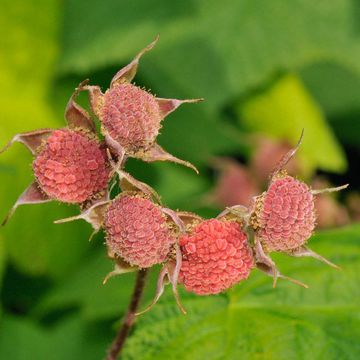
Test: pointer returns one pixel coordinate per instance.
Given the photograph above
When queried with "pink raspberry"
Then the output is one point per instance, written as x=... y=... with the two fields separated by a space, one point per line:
x=284 y=218
x=71 y=166
x=216 y=256
x=131 y=116
x=137 y=231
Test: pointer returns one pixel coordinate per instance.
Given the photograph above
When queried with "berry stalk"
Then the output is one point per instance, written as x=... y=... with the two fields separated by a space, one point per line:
x=121 y=336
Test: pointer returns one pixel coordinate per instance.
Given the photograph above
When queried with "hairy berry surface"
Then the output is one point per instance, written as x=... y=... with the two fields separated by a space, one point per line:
x=131 y=116
x=137 y=231
x=216 y=256
x=71 y=166
x=287 y=218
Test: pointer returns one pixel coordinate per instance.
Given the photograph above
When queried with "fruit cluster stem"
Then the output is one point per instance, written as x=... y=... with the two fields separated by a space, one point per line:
x=121 y=336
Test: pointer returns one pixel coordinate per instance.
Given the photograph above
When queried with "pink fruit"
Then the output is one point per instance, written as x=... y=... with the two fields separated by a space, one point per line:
x=284 y=218
x=71 y=166
x=137 y=231
x=216 y=256
x=131 y=117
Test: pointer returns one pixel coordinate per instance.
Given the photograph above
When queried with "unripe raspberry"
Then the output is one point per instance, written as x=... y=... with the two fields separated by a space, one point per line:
x=284 y=216
x=71 y=166
x=137 y=231
x=216 y=256
x=131 y=116
x=235 y=184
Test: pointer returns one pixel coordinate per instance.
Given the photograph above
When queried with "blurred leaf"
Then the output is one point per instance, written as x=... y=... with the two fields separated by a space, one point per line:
x=27 y=69
x=338 y=92
x=221 y=49
x=84 y=289
x=283 y=111
x=211 y=50
x=255 y=321
x=72 y=339
x=39 y=247
x=20 y=338
x=193 y=135
x=335 y=88
x=2 y=259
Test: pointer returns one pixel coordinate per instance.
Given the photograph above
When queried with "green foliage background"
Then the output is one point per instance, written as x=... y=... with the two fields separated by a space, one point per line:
x=268 y=67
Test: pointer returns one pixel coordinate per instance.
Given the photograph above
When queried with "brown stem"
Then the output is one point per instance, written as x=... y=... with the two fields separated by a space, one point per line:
x=120 y=338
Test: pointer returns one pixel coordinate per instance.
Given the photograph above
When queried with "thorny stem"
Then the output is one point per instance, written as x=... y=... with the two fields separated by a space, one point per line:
x=121 y=336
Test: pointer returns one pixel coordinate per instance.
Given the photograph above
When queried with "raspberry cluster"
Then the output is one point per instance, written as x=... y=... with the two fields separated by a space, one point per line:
x=207 y=256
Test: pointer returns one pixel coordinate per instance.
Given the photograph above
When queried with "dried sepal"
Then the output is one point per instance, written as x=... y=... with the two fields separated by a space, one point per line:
x=238 y=211
x=160 y=287
x=157 y=153
x=96 y=97
x=287 y=157
x=94 y=215
x=270 y=272
x=32 y=195
x=304 y=251
x=167 y=106
x=32 y=139
x=329 y=190
x=173 y=274
x=129 y=183
x=175 y=218
x=268 y=266
x=120 y=267
x=115 y=148
x=189 y=218
x=75 y=115
x=127 y=73
x=168 y=274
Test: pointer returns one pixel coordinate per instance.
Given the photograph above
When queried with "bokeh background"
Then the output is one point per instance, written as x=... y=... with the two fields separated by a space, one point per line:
x=267 y=69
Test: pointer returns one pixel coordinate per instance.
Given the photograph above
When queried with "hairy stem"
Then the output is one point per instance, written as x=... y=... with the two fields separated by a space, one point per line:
x=121 y=336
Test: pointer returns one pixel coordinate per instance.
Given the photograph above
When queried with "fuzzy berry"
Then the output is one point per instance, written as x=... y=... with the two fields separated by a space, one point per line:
x=216 y=256
x=284 y=216
x=131 y=116
x=71 y=166
x=137 y=231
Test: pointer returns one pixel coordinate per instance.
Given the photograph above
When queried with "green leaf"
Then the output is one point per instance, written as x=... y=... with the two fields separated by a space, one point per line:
x=2 y=259
x=19 y=338
x=72 y=339
x=210 y=49
x=84 y=289
x=255 y=321
x=283 y=111
x=213 y=50
x=337 y=90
